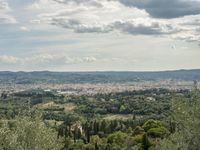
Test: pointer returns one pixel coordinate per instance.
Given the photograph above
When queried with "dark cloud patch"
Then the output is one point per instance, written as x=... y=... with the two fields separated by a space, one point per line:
x=165 y=8
x=131 y=27
x=145 y=28
x=93 y=29
x=66 y=23
x=139 y=29
x=79 y=27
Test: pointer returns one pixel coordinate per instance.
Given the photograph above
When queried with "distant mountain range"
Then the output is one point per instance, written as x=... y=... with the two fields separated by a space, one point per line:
x=95 y=77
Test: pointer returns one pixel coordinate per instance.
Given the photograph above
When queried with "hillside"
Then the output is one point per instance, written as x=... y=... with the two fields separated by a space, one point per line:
x=95 y=77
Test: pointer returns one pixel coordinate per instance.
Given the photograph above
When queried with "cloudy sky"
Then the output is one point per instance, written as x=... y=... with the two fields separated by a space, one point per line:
x=98 y=35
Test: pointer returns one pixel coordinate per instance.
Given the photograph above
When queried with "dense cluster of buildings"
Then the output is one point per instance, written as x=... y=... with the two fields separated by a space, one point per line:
x=88 y=88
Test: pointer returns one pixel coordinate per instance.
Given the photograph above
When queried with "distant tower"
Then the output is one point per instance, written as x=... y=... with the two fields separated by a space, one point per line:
x=195 y=85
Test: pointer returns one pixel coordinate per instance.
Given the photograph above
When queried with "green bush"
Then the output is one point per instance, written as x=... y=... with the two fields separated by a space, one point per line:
x=138 y=138
x=138 y=130
x=158 y=132
x=152 y=124
x=117 y=137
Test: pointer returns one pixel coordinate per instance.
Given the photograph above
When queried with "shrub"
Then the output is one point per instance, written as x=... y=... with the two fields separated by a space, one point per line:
x=152 y=124
x=158 y=132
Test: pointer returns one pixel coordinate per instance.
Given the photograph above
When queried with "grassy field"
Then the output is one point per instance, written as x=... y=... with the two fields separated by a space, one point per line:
x=120 y=117
x=68 y=107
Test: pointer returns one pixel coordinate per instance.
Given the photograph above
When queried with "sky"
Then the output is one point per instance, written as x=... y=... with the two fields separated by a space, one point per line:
x=99 y=35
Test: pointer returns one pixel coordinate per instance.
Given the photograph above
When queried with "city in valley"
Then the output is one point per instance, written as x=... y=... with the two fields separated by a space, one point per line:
x=91 y=88
x=90 y=83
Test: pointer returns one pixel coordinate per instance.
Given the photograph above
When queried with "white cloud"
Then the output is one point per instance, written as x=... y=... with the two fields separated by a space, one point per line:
x=9 y=59
x=35 y=21
x=89 y=59
x=25 y=29
x=66 y=31
x=5 y=17
x=4 y=6
x=45 y=59
x=94 y=16
x=84 y=11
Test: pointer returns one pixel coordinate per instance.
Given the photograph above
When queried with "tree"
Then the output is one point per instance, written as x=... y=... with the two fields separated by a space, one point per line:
x=103 y=126
x=152 y=124
x=28 y=133
x=186 y=114
x=117 y=138
x=122 y=109
x=160 y=132
x=138 y=130
x=145 y=142
x=87 y=131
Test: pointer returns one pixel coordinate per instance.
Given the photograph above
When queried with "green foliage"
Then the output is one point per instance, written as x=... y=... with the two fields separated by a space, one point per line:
x=145 y=142
x=28 y=133
x=117 y=137
x=122 y=109
x=78 y=145
x=138 y=130
x=134 y=102
x=100 y=143
x=186 y=114
x=152 y=124
x=160 y=132
x=138 y=138
x=87 y=127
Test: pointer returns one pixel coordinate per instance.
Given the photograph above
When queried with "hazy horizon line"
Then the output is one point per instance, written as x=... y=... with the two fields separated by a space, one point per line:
x=77 y=71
